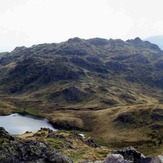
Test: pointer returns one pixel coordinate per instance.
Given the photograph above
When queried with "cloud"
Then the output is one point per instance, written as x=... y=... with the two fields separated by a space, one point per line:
x=9 y=39
x=56 y=20
x=40 y=21
x=10 y=4
x=146 y=16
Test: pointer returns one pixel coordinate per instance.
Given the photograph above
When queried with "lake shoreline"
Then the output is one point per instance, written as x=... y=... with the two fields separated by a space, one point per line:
x=19 y=123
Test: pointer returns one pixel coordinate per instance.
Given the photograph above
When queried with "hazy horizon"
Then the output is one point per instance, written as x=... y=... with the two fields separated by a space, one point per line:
x=29 y=22
x=11 y=48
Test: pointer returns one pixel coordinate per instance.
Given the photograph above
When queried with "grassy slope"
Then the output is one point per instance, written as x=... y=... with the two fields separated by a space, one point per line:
x=138 y=125
x=67 y=143
x=133 y=130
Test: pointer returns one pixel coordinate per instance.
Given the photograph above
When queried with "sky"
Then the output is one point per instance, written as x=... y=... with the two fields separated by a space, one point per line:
x=29 y=22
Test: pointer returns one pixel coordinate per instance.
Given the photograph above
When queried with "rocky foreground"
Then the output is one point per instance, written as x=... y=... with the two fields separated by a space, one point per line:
x=16 y=150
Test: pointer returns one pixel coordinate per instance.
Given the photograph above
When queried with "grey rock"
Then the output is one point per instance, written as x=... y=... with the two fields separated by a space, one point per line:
x=57 y=158
x=158 y=159
x=16 y=150
x=145 y=160
x=115 y=158
x=130 y=154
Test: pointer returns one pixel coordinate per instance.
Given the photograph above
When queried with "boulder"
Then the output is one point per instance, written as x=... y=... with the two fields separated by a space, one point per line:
x=57 y=158
x=4 y=134
x=158 y=159
x=130 y=154
x=115 y=158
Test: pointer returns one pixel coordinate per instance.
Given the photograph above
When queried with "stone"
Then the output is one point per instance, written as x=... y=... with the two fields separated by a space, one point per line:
x=57 y=158
x=130 y=154
x=158 y=159
x=115 y=158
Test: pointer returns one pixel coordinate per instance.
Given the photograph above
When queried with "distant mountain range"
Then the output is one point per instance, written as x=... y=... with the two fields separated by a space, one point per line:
x=156 y=40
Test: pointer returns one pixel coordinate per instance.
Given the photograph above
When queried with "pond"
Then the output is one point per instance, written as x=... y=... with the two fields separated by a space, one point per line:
x=20 y=123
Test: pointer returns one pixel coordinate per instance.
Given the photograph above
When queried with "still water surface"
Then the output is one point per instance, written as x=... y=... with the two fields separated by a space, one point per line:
x=20 y=123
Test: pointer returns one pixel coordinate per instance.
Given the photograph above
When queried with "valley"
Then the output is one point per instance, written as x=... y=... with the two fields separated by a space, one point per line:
x=111 y=90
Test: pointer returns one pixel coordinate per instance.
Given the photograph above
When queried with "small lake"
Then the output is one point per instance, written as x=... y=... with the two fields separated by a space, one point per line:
x=20 y=123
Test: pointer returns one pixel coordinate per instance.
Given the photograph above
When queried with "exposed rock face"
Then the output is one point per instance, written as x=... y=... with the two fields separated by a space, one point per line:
x=130 y=154
x=125 y=118
x=16 y=150
x=115 y=158
x=158 y=159
x=71 y=94
x=91 y=143
x=4 y=134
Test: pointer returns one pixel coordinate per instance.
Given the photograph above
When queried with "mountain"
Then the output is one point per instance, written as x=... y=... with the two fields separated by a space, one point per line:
x=94 y=72
x=158 y=40
x=110 y=89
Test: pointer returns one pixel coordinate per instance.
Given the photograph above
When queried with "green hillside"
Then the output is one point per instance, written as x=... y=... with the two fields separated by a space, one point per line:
x=85 y=72
x=110 y=89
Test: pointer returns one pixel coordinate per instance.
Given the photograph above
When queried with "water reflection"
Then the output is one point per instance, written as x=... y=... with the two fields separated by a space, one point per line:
x=20 y=123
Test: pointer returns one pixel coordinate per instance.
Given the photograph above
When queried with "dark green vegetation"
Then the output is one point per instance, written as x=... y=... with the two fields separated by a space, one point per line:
x=89 y=73
x=111 y=89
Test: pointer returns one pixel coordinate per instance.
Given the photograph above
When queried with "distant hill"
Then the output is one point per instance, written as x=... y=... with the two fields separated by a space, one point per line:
x=156 y=40
x=87 y=73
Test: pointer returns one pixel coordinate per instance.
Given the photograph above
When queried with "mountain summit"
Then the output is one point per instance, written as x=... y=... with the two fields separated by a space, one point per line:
x=79 y=71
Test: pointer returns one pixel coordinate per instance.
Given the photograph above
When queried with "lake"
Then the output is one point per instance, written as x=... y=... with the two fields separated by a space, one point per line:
x=20 y=123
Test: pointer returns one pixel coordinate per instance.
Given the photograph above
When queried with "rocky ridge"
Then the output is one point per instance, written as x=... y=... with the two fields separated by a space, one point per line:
x=16 y=150
x=79 y=71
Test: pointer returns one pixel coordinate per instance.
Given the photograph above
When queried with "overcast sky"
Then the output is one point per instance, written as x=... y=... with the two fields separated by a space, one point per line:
x=28 y=22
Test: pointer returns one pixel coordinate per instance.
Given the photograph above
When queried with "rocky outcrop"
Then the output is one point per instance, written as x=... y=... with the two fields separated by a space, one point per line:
x=158 y=159
x=16 y=150
x=91 y=143
x=5 y=135
x=70 y=94
x=130 y=154
x=115 y=158
x=125 y=118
